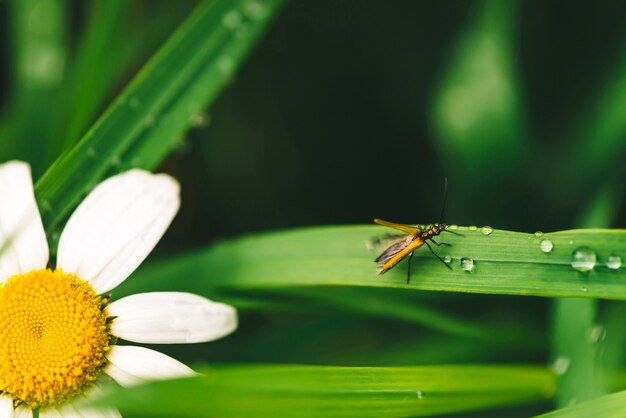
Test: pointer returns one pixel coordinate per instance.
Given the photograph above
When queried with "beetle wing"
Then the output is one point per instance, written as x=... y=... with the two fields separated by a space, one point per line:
x=394 y=248
x=390 y=257
x=408 y=229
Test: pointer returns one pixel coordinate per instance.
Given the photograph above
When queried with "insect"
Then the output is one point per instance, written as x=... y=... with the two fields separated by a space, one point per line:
x=405 y=245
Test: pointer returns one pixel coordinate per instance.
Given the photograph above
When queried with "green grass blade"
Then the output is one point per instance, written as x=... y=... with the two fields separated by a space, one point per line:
x=203 y=87
x=575 y=350
x=173 y=77
x=505 y=263
x=318 y=391
x=613 y=405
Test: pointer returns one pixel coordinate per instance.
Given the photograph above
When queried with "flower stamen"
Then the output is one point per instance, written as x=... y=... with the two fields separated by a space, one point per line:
x=54 y=337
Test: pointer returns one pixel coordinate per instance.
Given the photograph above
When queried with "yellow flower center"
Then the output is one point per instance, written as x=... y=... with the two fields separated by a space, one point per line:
x=53 y=337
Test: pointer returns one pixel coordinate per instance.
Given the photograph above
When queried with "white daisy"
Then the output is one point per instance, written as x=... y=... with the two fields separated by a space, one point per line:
x=57 y=335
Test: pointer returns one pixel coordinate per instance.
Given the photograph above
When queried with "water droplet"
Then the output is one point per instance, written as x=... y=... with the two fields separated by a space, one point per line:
x=584 y=289
x=538 y=234
x=420 y=394
x=447 y=259
x=561 y=365
x=467 y=263
x=598 y=333
x=583 y=259
x=486 y=230
x=232 y=19
x=546 y=245
x=614 y=262
x=254 y=9
x=225 y=65
x=452 y=227
x=473 y=228
x=201 y=120
x=571 y=242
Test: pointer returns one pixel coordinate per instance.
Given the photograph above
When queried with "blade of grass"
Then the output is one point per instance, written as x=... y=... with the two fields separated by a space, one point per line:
x=575 y=351
x=108 y=50
x=611 y=333
x=612 y=405
x=173 y=74
x=505 y=262
x=317 y=391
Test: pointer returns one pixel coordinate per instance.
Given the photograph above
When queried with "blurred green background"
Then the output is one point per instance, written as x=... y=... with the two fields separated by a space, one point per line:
x=350 y=110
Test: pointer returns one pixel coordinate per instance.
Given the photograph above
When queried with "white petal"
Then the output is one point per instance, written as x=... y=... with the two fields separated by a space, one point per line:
x=171 y=318
x=23 y=412
x=129 y=365
x=6 y=407
x=23 y=245
x=52 y=413
x=71 y=410
x=116 y=227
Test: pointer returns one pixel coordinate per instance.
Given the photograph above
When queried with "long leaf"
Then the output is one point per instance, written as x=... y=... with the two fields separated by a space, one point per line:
x=317 y=391
x=186 y=73
x=505 y=262
x=613 y=405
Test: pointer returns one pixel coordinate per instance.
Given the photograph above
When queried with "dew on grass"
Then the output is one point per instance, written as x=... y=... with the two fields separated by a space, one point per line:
x=613 y=262
x=561 y=365
x=486 y=230
x=467 y=263
x=583 y=259
x=546 y=245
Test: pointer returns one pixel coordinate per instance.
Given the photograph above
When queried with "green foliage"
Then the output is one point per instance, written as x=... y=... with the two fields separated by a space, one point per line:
x=505 y=262
x=314 y=391
x=604 y=406
x=147 y=119
x=516 y=157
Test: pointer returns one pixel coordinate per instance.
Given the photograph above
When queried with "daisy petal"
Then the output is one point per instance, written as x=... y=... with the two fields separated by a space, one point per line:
x=116 y=227
x=23 y=245
x=6 y=407
x=52 y=413
x=23 y=412
x=129 y=365
x=171 y=318
x=70 y=410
